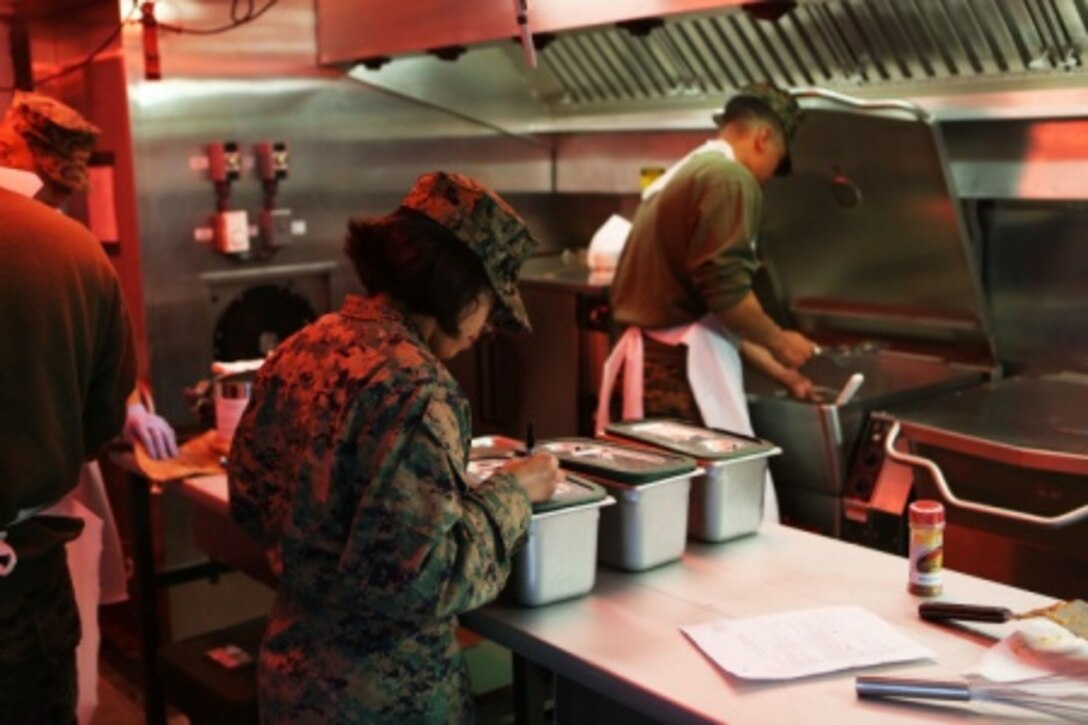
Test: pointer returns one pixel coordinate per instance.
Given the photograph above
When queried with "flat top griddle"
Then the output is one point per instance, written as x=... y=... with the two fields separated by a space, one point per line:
x=1041 y=417
x=889 y=375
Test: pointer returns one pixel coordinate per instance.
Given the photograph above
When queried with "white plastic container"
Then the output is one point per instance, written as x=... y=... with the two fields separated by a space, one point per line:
x=232 y=393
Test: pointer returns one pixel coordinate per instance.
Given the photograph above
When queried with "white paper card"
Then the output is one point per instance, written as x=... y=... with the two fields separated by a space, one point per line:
x=797 y=644
x=1037 y=648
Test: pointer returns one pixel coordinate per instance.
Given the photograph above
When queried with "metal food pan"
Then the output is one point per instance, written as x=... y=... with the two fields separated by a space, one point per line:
x=559 y=558
x=648 y=525
x=726 y=502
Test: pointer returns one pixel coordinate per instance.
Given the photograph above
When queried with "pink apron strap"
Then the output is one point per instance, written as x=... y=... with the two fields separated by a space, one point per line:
x=627 y=355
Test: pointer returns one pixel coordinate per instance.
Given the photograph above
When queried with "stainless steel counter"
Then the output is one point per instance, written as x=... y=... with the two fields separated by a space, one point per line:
x=567 y=270
x=1034 y=422
x=623 y=640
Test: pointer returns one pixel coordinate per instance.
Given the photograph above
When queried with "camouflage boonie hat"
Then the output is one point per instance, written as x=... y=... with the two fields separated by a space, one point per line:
x=783 y=105
x=59 y=138
x=482 y=220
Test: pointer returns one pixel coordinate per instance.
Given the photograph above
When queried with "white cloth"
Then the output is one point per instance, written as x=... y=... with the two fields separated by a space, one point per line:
x=112 y=574
x=606 y=246
x=96 y=567
x=84 y=559
x=715 y=145
x=715 y=373
x=26 y=183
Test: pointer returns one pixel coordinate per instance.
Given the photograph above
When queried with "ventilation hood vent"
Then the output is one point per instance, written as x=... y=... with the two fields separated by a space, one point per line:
x=842 y=44
x=689 y=53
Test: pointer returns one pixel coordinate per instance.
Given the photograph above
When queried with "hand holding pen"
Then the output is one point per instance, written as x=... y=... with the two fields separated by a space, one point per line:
x=537 y=473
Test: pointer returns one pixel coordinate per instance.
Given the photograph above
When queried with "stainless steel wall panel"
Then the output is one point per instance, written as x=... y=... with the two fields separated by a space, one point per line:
x=1036 y=264
x=355 y=148
x=611 y=162
x=900 y=251
x=1026 y=159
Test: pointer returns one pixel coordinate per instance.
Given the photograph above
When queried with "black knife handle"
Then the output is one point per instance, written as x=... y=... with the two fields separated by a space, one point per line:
x=943 y=611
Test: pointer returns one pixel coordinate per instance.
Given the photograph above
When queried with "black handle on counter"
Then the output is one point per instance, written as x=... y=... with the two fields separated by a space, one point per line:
x=944 y=611
x=903 y=687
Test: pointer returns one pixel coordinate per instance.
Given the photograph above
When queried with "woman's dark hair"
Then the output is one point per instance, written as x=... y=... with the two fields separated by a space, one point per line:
x=418 y=262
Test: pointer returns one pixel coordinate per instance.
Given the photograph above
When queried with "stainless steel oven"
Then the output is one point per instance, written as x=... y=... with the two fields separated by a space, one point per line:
x=1010 y=461
x=823 y=442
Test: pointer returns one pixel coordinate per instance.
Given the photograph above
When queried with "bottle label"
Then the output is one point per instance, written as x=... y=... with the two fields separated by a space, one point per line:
x=926 y=563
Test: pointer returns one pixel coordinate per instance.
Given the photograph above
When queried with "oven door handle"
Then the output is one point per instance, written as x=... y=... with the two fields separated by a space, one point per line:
x=1052 y=522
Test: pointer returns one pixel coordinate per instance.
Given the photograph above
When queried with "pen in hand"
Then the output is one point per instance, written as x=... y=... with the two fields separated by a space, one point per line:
x=530 y=439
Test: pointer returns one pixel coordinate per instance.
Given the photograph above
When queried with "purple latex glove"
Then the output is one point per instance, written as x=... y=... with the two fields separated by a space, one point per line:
x=153 y=432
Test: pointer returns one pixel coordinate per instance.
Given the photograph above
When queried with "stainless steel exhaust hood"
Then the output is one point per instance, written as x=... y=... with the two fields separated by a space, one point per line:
x=601 y=57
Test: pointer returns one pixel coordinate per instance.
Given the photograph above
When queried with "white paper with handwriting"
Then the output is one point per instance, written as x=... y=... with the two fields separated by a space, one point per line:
x=808 y=642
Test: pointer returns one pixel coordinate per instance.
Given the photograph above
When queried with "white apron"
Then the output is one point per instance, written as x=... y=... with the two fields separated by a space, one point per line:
x=715 y=374
x=97 y=566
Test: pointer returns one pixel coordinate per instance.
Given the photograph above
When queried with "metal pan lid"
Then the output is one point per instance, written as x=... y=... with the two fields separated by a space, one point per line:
x=495 y=447
x=572 y=491
x=708 y=444
x=616 y=461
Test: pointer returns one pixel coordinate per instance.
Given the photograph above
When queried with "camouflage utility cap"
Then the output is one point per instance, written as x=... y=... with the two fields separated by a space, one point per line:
x=783 y=105
x=489 y=226
x=59 y=138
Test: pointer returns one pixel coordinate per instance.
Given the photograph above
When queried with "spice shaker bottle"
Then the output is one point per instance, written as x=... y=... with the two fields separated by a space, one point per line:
x=926 y=548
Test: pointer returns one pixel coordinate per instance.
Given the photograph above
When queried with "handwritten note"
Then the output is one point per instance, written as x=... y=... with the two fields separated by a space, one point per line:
x=797 y=644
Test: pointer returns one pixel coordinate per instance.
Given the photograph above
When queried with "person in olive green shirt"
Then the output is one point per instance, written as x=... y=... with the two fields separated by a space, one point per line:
x=66 y=365
x=690 y=256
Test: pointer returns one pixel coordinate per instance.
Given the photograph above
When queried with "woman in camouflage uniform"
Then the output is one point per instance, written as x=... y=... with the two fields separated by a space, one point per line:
x=350 y=464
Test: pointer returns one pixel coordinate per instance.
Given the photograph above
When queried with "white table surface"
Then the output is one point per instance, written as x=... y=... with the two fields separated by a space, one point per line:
x=623 y=639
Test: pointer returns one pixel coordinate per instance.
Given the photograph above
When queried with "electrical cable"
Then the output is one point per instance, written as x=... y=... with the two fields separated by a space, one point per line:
x=94 y=53
x=237 y=19
x=252 y=13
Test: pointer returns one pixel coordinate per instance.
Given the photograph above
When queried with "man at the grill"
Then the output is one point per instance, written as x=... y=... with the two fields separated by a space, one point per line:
x=683 y=285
